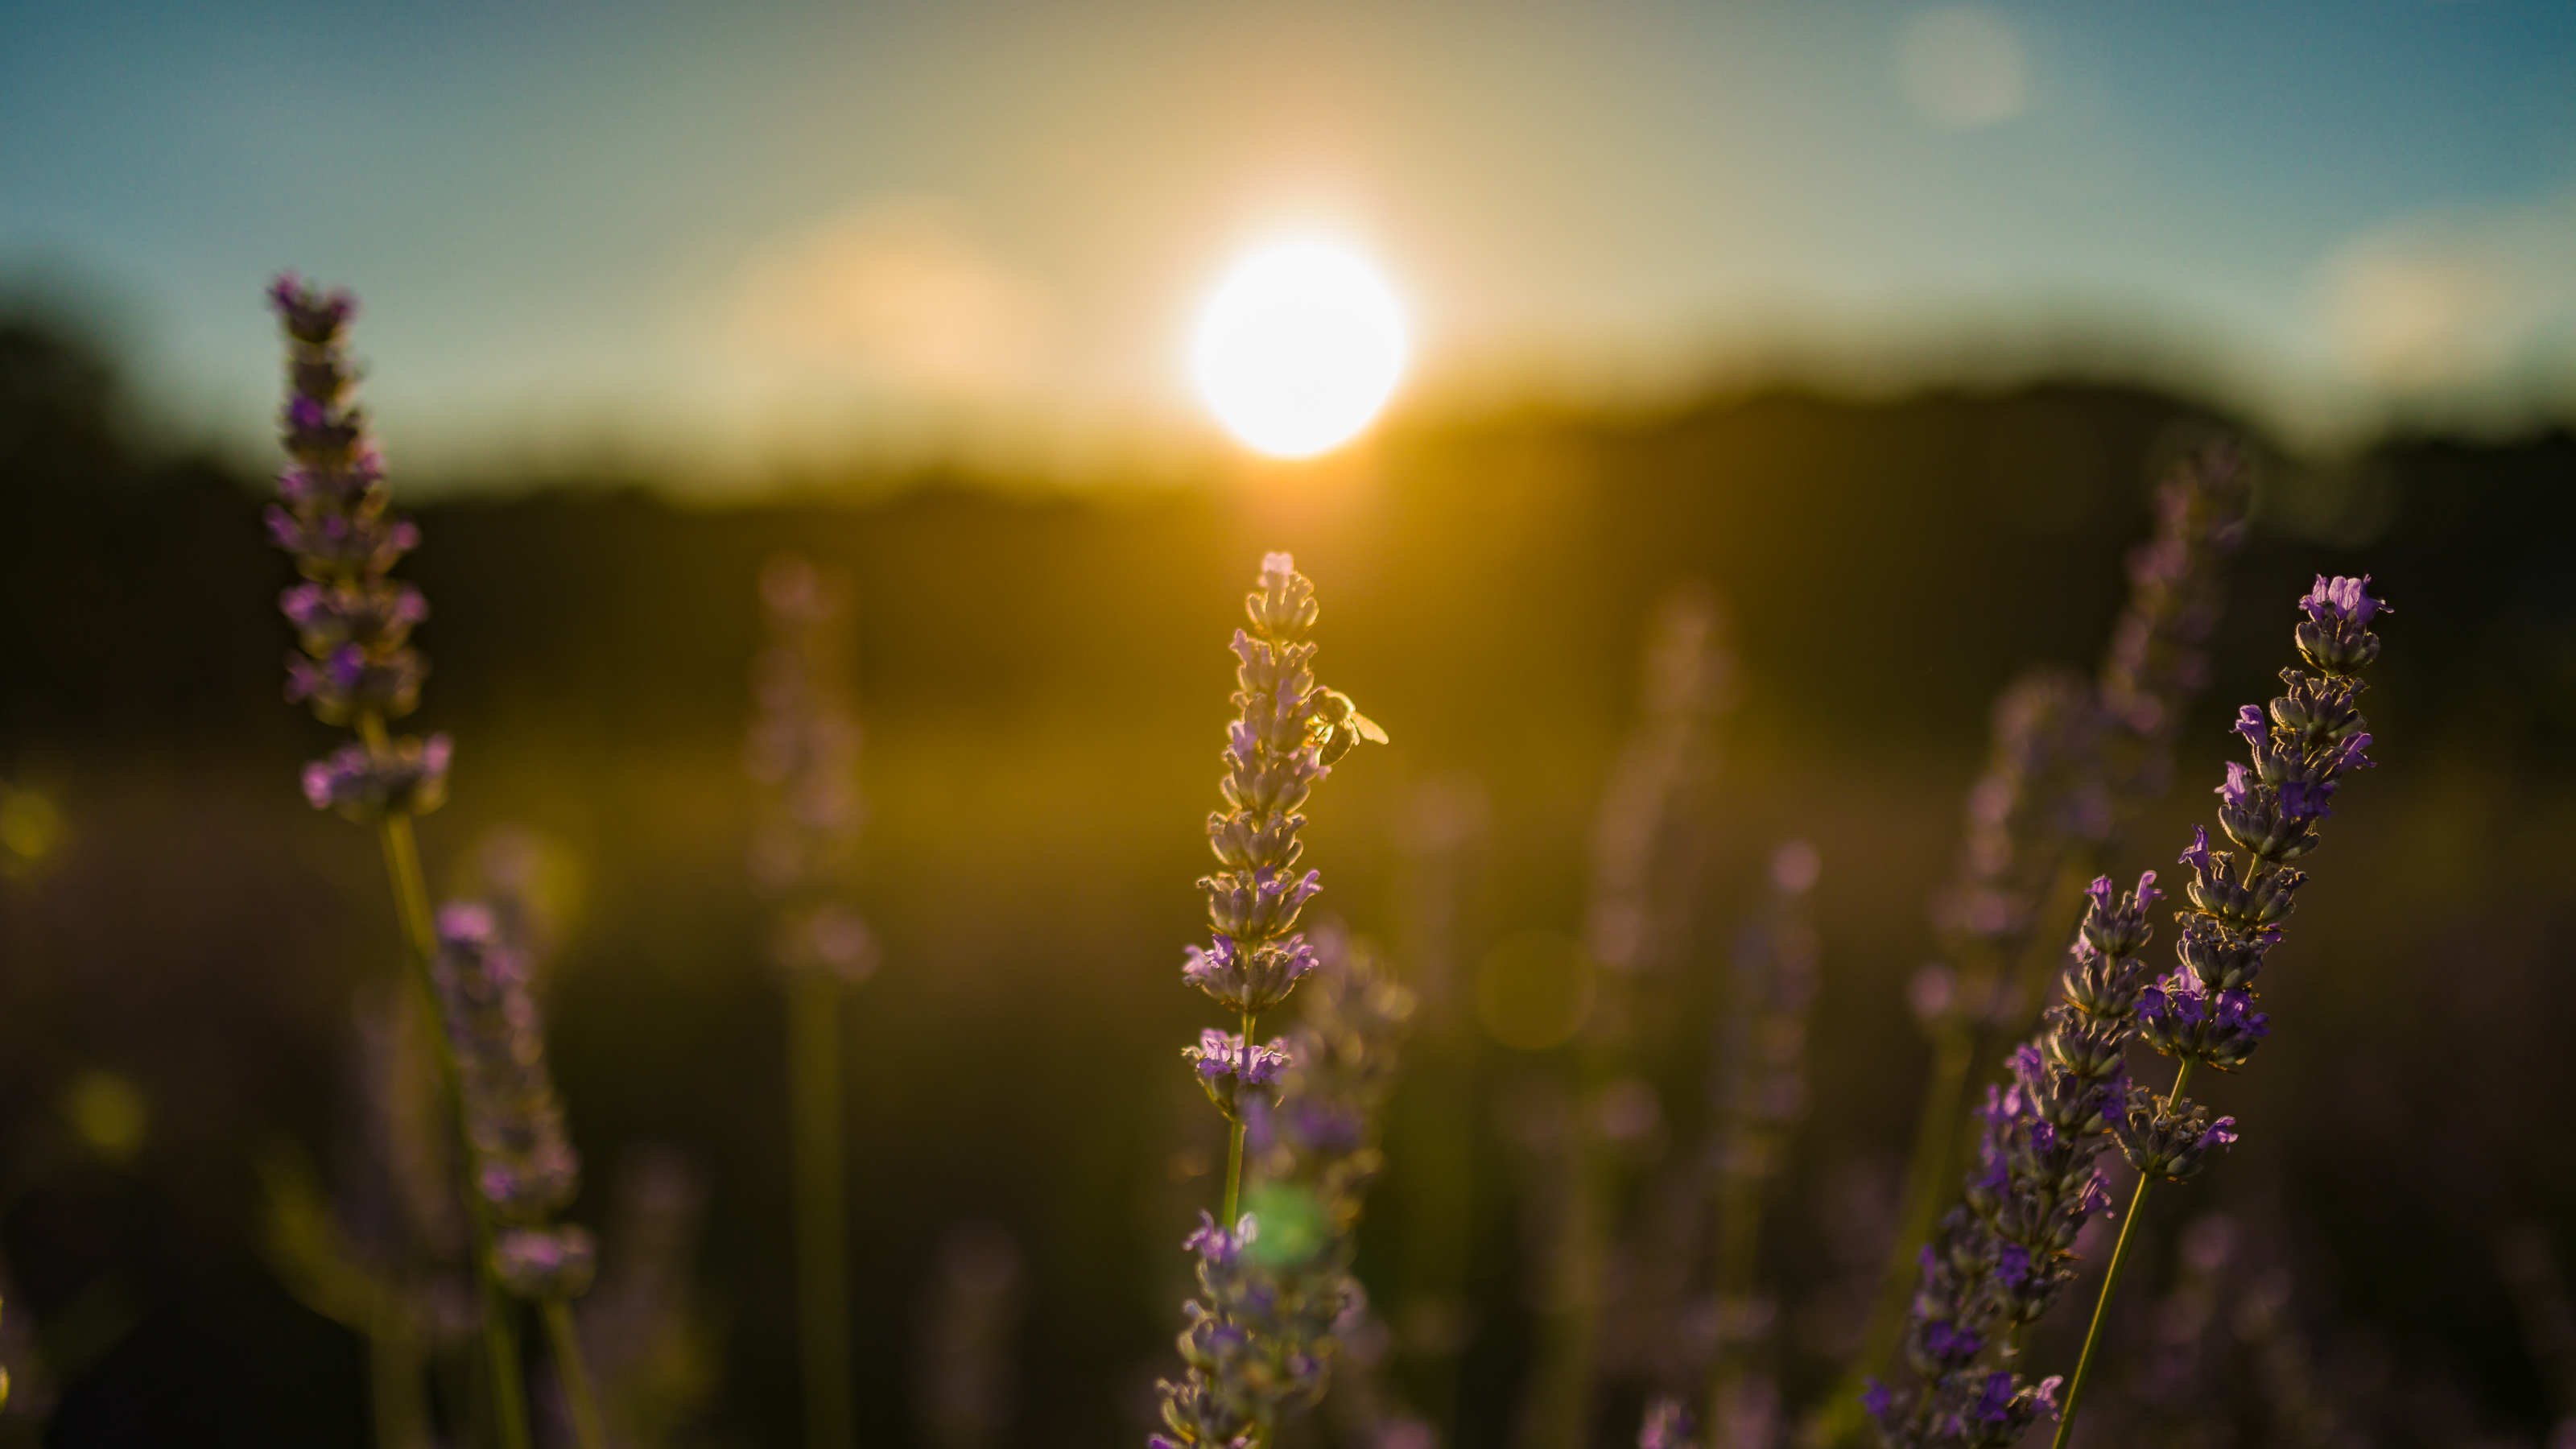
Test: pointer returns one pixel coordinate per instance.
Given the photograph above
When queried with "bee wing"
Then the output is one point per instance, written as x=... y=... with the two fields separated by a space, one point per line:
x=1368 y=728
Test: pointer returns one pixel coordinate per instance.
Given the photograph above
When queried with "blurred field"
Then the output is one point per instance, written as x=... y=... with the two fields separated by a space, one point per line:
x=1044 y=676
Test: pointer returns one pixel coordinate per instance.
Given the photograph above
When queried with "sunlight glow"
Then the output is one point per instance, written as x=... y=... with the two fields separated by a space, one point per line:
x=1299 y=348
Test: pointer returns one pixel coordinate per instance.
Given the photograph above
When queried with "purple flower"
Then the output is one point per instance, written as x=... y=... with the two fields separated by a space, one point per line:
x=2237 y=791
x=1876 y=1399
x=2197 y=856
x=1947 y=1340
x=2341 y=598
x=1215 y=1244
x=2303 y=799
x=2251 y=724
x=544 y=1263
x=1221 y=1056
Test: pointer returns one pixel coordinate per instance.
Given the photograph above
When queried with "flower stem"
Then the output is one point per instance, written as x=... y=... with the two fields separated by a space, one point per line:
x=411 y=904
x=573 y=1375
x=1234 y=1142
x=2110 y=1281
x=822 y=1242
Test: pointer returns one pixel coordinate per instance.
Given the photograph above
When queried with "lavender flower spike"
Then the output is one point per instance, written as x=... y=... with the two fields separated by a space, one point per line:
x=524 y=1167
x=1287 y=728
x=2002 y=1259
x=1257 y=1339
x=2203 y=1011
x=357 y=666
x=802 y=755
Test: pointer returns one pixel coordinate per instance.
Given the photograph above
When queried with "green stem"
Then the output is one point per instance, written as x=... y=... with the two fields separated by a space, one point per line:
x=394 y=1375
x=574 y=1375
x=2110 y=1281
x=411 y=905
x=1234 y=1144
x=822 y=1231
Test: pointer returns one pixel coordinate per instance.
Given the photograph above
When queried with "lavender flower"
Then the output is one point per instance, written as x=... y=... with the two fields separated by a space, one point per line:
x=2157 y=664
x=803 y=752
x=1643 y=850
x=2301 y=747
x=2072 y=765
x=1649 y=842
x=2204 y=1011
x=1278 y=1300
x=1759 y=1091
x=1276 y=750
x=1226 y=1068
x=524 y=1168
x=1260 y=1329
x=2002 y=1260
x=358 y=667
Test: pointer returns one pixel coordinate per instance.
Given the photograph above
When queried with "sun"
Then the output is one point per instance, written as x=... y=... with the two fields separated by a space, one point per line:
x=1298 y=348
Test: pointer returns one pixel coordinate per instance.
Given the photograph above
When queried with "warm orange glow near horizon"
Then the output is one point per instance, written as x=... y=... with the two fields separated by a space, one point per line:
x=1299 y=348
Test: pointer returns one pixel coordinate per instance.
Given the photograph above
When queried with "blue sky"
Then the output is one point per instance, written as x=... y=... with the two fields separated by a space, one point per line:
x=580 y=227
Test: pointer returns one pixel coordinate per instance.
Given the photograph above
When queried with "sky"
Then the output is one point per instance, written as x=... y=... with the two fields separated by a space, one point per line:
x=718 y=242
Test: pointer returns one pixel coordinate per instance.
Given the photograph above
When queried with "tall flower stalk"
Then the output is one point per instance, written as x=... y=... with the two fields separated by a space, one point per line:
x=1760 y=1092
x=1647 y=845
x=523 y=1165
x=2072 y=764
x=357 y=669
x=1249 y=1344
x=803 y=752
x=2202 y=1013
x=2000 y=1261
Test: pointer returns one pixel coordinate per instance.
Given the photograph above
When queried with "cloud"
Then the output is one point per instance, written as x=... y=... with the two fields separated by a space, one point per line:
x=1962 y=66
x=896 y=293
x=2458 y=302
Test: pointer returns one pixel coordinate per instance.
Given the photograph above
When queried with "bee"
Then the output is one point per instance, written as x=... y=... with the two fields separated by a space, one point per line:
x=1338 y=726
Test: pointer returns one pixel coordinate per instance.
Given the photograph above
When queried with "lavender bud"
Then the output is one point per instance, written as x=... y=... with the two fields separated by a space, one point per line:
x=2217 y=890
x=2105 y=987
x=2221 y=955
x=2271 y=822
x=2120 y=929
x=2166 y=1139
x=542 y=1263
